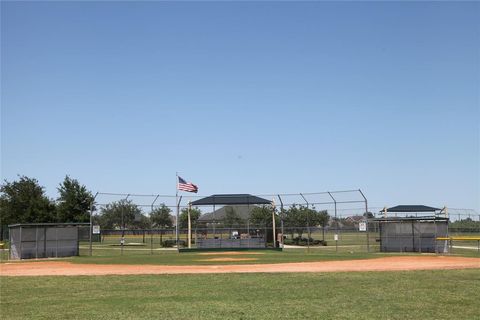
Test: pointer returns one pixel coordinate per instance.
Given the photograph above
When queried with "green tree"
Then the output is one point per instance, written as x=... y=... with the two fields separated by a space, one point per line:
x=161 y=217
x=262 y=216
x=194 y=215
x=24 y=201
x=141 y=221
x=322 y=218
x=465 y=225
x=74 y=201
x=122 y=214
x=298 y=218
x=292 y=220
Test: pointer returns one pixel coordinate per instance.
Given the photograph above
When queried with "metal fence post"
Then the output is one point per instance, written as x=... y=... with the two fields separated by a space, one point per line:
x=91 y=225
x=177 y=231
x=21 y=242
x=336 y=221
x=366 y=212
x=308 y=224
x=36 y=242
x=281 y=218
x=56 y=241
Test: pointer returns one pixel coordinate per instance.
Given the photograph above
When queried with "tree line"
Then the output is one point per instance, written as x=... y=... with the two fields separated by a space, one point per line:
x=25 y=201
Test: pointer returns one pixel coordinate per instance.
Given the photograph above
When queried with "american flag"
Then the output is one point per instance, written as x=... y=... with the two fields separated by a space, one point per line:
x=186 y=186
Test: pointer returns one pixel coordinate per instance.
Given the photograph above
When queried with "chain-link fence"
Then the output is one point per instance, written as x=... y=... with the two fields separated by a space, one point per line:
x=341 y=235
x=331 y=221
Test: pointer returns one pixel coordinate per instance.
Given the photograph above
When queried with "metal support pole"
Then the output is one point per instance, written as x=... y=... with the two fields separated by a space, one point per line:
x=281 y=219
x=10 y=238
x=366 y=212
x=151 y=206
x=91 y=225
x=189 y=226
x=177 y=231
x=177 y=207
x=122 y=240
x=336 y=222
x=273 y=223
x=21 y=242
x=36 y=242
x=151 y=224
x=308 y=223
x=248 y=231
x=446 y=248
x=435 y=231
x=56 y=241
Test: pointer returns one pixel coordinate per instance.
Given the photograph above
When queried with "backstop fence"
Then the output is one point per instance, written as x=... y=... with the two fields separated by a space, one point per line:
x=352 y=226
x=135 y=224
x=381 y=236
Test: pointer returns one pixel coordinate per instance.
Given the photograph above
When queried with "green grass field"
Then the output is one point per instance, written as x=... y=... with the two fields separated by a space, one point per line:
x=106 y=254
x=449 y=294
x=366 y=295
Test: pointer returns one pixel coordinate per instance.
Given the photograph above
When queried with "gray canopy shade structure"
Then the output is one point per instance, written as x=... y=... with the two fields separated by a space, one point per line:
x=242 y=212
x=230 y=199
x=412 y=208
x=244 y=239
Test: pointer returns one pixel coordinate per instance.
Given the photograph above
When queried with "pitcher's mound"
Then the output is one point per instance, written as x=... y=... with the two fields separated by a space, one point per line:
x=228 y=253
x=228 y=259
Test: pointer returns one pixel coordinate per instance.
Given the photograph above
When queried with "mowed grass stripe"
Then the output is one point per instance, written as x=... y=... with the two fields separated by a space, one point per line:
x=368 y=295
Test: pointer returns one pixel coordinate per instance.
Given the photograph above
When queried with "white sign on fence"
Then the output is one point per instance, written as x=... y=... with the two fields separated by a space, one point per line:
x=96 y=230
x=362 y=226
x=335 y=237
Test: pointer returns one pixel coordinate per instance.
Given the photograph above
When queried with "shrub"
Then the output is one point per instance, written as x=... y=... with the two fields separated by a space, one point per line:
x=304 y=242
x=170 y=243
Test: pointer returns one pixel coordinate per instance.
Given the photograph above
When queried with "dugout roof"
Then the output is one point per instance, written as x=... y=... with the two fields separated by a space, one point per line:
x=412 y=208
x=404 y=219
x=48 y=224
x=242 y=212
x=230 y=199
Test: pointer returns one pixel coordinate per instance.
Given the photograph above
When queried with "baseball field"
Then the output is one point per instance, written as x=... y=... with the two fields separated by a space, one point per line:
x=243 y=285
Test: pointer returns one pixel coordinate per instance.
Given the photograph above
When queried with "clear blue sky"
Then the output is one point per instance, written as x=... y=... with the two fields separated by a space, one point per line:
x=245 y=97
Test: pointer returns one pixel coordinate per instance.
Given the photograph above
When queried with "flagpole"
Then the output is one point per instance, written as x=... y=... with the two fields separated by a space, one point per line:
x=176 y=204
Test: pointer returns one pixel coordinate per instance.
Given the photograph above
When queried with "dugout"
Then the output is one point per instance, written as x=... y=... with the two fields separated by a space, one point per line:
x=412 y=233
x=247 y=237
x=44 y=240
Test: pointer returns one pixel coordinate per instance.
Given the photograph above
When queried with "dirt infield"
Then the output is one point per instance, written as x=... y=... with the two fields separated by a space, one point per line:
x=61 y=268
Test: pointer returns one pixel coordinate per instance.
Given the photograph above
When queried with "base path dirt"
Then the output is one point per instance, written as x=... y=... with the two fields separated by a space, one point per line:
x=61 y=268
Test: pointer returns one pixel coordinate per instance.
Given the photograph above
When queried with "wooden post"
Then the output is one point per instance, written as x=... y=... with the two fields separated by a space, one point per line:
x=273 y=224
x=189 y=226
